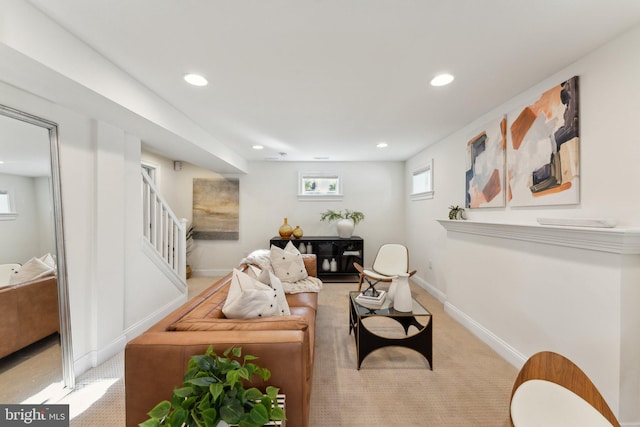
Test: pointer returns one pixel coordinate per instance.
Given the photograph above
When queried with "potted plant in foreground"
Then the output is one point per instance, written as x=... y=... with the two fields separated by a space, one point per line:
x=213 y=394
x=346 y=220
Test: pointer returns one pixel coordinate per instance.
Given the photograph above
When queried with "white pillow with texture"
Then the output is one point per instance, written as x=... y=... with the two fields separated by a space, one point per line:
x=261 y=275
x=32 y=270
x=248 y=298
x=49 y=260
x=283 y=305
x=287 y=263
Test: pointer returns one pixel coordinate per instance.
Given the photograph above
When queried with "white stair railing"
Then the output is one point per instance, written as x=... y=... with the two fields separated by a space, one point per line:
x=162 y=230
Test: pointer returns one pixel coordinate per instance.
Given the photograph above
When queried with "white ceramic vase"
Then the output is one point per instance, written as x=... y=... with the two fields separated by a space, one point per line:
x=325 y=265
x=345 y=228
x=393 y=287
x=402 y=300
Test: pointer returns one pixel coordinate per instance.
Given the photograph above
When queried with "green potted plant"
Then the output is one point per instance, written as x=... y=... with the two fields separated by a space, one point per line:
x=189 y=239
x=213 y=394
x=456 y=212
x=346 y=220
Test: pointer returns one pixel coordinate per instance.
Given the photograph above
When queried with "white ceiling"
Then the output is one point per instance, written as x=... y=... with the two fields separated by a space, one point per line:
x=332 y=78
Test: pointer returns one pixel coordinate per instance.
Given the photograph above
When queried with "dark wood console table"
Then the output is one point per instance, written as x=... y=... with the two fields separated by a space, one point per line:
x=344 y=251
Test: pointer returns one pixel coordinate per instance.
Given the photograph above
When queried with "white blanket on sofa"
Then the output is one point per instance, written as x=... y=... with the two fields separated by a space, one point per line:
x=261 y=259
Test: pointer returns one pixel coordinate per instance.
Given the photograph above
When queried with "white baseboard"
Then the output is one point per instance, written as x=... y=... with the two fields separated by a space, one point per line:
x=95 y=358
x=138 y=328
x=507 y=352
x=435 y=292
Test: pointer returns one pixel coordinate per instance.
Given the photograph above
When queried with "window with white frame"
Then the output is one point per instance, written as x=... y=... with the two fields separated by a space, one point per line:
x=422 y=182
x=7 y=208
x=319 y=185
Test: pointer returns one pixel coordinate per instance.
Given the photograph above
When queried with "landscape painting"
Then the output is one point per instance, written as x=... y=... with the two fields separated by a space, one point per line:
x=543 y=150
x=485 y=166
x=216 y=209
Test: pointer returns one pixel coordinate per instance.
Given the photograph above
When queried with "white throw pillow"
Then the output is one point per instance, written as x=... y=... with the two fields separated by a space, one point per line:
x=261 y=275
x=31 y=270
x=248 y=298
x=283 y=305
x=287 y=263
x=49 y=260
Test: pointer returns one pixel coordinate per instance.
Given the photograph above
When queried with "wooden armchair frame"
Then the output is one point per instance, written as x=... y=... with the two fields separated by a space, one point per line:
x=376 y=275
x=552 y=367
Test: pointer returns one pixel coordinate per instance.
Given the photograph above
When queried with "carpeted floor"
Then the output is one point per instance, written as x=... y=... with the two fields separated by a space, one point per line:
x=469 y=386
x=32 y=374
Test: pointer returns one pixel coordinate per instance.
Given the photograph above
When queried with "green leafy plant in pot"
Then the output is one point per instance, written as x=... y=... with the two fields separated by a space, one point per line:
x=456 y=212
x=189 y=248
x=213 y=390
x=346 y=220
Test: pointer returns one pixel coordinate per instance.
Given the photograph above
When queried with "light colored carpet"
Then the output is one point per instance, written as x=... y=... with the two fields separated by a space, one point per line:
x=469 y=386
x=33 y=374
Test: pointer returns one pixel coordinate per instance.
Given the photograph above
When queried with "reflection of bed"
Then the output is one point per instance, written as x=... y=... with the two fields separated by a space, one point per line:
x=6 y=271
x=29 y=313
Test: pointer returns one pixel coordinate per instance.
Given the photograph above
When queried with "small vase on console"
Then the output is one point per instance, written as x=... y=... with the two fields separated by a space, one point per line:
x=402 y=300
x=297 y=232
x=285 y=229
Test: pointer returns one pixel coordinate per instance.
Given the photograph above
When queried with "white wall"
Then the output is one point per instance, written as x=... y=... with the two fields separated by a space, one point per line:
x=526 y=297
x=114 y=289
x=44 y=199
x=21 y=237
x=268 y=194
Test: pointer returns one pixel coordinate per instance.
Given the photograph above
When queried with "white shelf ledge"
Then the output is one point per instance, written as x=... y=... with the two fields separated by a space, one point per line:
x=619 y=240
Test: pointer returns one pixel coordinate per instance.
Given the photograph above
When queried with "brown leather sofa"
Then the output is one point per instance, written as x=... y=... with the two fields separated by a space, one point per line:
x=29 y=313
x=155 y=362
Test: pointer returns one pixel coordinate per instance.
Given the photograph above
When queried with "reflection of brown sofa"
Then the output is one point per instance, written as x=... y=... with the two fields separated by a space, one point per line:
x=29 y=313
x=155 y=361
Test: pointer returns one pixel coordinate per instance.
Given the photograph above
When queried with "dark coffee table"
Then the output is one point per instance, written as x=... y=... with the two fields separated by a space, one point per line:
x=368 y=341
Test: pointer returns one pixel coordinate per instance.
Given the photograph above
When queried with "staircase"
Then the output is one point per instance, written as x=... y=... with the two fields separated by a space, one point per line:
x=164 y=235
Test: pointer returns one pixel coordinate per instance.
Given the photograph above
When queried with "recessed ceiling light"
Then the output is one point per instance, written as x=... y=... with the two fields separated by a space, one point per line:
x=196 y=79
x=442 y=80
x=1 y=162
x=382 y=145
x=257 y=147
x=321 y=158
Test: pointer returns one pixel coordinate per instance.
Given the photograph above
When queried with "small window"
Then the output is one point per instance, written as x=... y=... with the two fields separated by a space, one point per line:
x=7 y=209
x=319 y=185
x=422 y=182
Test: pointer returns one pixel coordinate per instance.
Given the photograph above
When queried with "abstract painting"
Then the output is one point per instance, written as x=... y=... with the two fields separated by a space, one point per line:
x=485 y=166
x=543 y=150
x=216 y=208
